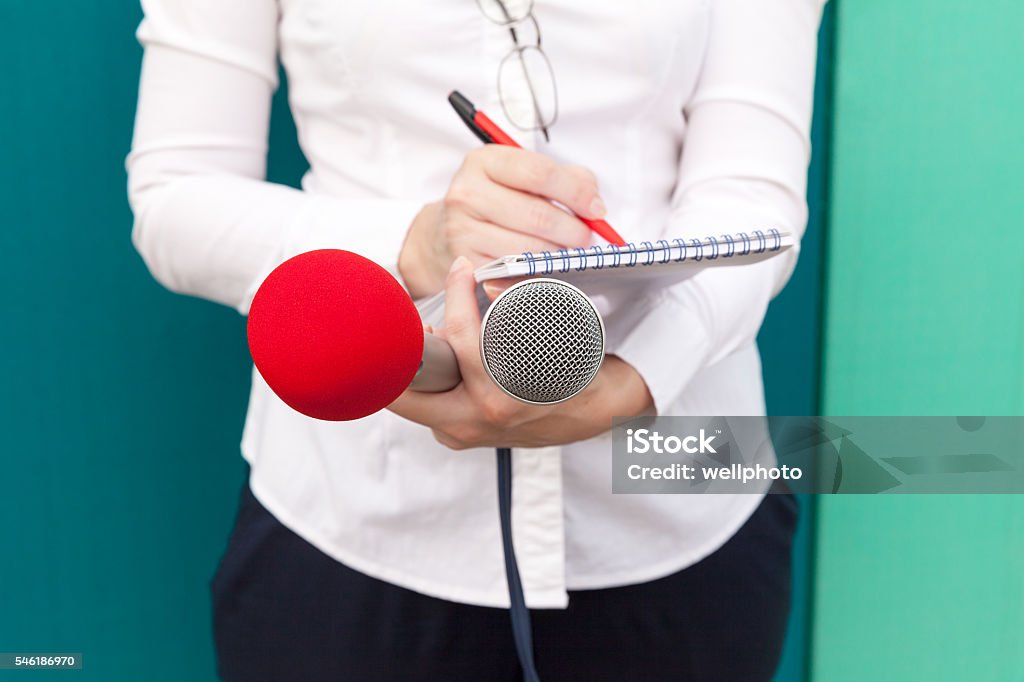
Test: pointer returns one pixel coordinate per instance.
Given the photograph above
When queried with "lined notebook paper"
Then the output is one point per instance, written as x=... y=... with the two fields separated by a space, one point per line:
x=657 y=258
x=599 y=268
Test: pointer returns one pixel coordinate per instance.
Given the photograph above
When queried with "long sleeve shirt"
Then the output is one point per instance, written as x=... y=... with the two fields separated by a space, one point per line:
x=693 y=114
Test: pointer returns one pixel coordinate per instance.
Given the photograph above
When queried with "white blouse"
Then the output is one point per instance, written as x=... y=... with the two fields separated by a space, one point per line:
x=695 y=116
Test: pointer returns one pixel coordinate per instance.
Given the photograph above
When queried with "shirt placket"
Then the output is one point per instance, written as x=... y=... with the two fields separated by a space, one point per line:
x=538 y=530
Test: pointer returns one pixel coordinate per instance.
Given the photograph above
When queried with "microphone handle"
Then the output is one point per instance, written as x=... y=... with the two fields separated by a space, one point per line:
x=439 y=370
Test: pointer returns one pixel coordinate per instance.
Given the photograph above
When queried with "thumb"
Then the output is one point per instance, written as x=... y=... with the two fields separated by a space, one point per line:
x=462 y=317
x=494 y=287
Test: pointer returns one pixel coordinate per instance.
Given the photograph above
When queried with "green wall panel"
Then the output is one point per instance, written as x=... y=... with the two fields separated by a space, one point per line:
x=924 y=315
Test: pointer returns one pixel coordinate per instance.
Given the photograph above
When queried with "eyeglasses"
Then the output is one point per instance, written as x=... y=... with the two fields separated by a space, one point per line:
x=526 y=82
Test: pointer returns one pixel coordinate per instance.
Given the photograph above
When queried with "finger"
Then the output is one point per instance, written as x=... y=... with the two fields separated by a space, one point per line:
x=494 y=287
x=486 y=241
x=531 y=215
x=541 y=175
x=462 y=319
x=583 y=174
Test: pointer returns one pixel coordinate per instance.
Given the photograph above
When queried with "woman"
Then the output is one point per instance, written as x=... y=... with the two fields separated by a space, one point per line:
x=371 y=549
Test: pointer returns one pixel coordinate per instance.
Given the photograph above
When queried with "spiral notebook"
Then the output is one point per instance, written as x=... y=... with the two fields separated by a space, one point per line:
x=597 y=267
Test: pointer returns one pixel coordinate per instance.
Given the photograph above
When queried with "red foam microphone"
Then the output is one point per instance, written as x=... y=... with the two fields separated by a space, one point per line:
x=335 y=336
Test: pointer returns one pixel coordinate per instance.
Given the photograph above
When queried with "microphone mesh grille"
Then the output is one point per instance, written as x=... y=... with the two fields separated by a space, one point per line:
x=543 y=341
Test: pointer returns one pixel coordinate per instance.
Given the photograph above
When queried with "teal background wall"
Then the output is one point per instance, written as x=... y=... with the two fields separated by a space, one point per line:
x=790 y=343
x=924 y=315
x=122 y=404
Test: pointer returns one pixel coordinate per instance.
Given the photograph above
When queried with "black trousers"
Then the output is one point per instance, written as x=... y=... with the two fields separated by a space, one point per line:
x=283 y=610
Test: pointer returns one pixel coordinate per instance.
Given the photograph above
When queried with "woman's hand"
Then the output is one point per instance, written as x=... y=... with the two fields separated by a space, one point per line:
x=497 y=205
x=476 y=413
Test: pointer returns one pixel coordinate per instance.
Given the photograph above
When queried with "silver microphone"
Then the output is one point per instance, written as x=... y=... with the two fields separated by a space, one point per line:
x=541 y=341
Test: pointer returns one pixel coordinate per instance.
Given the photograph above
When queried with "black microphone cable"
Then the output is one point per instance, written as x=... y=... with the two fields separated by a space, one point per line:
x=521 y=632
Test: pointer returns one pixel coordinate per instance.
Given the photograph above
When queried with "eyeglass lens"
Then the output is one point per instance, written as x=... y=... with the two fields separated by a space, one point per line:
x=526 y=81
x=526 y=85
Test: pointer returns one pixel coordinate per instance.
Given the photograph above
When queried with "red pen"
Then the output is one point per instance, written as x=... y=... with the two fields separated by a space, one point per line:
x=489 y=132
